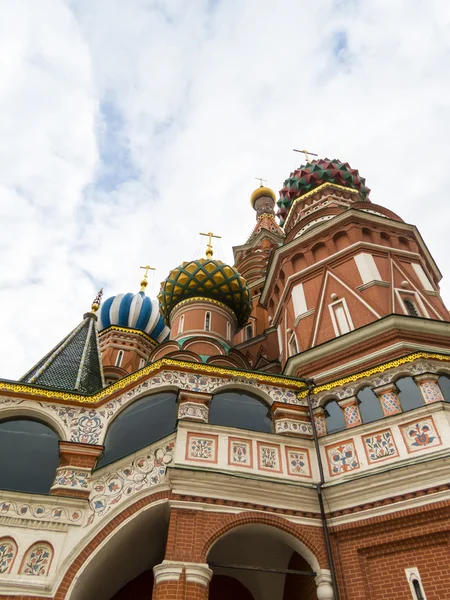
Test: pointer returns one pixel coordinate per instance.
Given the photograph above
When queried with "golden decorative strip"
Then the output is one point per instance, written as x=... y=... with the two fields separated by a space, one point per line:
x=314 y=191
x=19 y=388
x=203 y=299
x=129 y=330
x=379 y=369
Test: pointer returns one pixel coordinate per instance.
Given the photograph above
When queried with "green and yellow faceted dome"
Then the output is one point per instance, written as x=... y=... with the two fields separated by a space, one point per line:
x=206 y=278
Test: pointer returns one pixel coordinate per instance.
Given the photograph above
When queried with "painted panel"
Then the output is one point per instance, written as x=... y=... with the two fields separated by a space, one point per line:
x=240 y=452
x=420 y=434
x=298 y=462
x=342 y=458
x=269 y=457
x=202 y=448
x=379 y=446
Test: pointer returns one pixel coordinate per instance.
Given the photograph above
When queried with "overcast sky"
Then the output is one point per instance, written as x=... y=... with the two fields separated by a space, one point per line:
x=127 y=127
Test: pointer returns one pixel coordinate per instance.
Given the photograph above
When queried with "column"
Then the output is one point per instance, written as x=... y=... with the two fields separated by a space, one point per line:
x=193 y=406
x=181 y=581
x=324 y=587
x=352 y=415
x=429 y=388
x=320 y=421
x=389 y=400
x=291 y=419
x=76 y=462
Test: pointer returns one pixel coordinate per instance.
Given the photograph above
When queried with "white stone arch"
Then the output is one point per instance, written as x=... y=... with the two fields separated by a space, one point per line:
x=247 y=388
x=36 y=413
x=133 y=537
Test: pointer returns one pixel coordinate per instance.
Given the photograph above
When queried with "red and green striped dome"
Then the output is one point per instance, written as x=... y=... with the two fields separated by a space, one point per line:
x=315 y=173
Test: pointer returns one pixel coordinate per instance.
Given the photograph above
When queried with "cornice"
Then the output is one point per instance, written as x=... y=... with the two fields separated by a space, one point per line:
x=128 y=330
x=15 y=388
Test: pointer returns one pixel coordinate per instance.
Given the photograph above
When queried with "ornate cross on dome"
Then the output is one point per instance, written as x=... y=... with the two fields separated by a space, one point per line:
x=306 y=153
x=209 y=250
x=144 y=282
x=97 y=301
x=260 y=179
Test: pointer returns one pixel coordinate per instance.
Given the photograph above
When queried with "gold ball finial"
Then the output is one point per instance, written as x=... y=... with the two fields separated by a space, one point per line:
x=144 y=282
x=97 y=300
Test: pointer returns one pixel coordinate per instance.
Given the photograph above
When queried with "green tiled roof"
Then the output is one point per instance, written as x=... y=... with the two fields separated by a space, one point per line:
x=74 y=364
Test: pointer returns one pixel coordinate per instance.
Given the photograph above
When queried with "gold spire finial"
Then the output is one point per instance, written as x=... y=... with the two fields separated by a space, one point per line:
x=306 y=153
x=97 y=300
x=144 y=282
x=260 y=179
x=209 y=250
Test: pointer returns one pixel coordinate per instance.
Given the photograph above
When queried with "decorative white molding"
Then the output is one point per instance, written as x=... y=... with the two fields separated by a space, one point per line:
x=198 y=573
x=168 y=570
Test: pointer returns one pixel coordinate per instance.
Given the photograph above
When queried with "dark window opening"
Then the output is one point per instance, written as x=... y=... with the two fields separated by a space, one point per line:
x=409 y=394
x=29 y=456
x=144 y=422
x=369 y=405
x=334 y=417
x=248 y=332
x=418 y=589
x=207 y=321
x=240 y=410
x=444 y=383
x=411 y=308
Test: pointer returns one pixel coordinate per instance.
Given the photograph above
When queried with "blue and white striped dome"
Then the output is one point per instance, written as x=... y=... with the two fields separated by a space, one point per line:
x=136 y=311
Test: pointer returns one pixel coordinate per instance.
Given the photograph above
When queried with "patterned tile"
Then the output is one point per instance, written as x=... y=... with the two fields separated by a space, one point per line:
x=37 y=560
x=352 y=415
x=379 y=446
x=298 y=462
x=342 y=458
x=202 y=447
x=8 y=551
x=321 y=426
x=390 y=403
x=240 y=452
x=431 y=391
x=193 y=410
x=269 y=457
x=420 y=434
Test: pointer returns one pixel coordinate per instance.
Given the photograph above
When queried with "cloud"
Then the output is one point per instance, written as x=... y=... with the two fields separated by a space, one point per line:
x=130 y=127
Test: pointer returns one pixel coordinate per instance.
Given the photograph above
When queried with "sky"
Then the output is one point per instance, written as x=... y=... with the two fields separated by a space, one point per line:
x=126 y=128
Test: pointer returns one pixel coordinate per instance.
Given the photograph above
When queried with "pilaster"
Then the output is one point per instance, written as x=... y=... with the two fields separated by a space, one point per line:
x=291 y=420
x=73 y=475
x=429 y=387
x=352 y=414
x=389 y=400
x=193 y=406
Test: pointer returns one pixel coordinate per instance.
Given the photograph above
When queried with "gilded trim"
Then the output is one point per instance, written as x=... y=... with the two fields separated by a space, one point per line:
x=129 y=330
x=202 y=299
x=335 y=186
x=139 y=375
x=379 y=369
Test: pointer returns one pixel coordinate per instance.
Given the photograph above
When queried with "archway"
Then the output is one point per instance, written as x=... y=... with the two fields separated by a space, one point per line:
x=122 y=566
x=261 y=562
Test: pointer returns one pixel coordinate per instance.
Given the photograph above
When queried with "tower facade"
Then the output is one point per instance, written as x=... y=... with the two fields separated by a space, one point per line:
x=273 y=430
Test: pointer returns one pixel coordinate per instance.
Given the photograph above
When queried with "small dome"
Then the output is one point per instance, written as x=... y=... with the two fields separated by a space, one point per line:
x=206 y=278
x=314 y=174
x=260 y=192
x=136 y=311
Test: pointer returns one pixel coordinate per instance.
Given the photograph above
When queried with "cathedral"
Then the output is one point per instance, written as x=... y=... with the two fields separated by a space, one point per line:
x=276 y=429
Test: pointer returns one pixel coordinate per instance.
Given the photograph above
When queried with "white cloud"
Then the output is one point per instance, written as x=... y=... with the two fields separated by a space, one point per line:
x=127 y=128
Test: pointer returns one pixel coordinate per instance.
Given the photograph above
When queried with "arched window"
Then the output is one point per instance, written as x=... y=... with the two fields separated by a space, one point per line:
x=411 y=308
x=119 y=358
x=334 y=417
x=248 y=332
x=181 y=324
x=29 y=456
x=293 y=347
x=241 y=410
x=208 y=321
x=409 y=393
x=369 y=405
x=444 y=383
x=142 y=363
x=145 y=421
x=418 y=590
x=228 y=331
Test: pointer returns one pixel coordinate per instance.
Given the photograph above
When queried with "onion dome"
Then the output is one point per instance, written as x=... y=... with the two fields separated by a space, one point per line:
x=206 y=278
x=316 y=173
x=261 y=192
x=135 y=311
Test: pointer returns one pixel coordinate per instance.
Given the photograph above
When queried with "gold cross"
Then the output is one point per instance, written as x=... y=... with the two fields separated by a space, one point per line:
x=306 y=152
x=209 y=250
x=97 y=301
x=260 y=179
x=144 y=282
